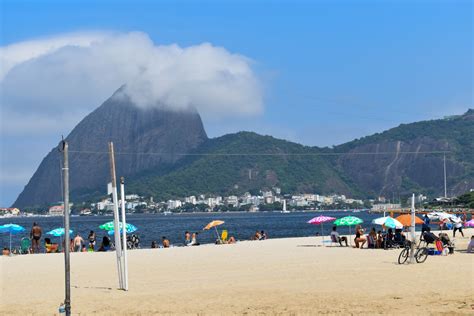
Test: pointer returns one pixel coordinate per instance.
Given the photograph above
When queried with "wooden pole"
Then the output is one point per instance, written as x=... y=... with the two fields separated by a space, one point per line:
x=67 y=266
x=118 y=243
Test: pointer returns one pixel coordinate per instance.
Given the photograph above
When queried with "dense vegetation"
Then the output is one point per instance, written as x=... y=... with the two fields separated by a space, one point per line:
x=245 y=161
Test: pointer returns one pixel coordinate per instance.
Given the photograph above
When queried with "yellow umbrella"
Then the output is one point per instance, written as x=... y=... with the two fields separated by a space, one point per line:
x=214 y=224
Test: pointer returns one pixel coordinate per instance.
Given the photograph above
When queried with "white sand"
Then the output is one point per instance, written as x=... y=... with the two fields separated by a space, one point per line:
x=272 y=277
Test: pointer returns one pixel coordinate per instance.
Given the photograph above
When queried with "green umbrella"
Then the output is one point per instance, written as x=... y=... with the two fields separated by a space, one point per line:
x=348 y=221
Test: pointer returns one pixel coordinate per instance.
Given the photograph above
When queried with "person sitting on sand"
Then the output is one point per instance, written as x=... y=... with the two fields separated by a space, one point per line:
x=359 y=237
x=105 y=246
x=194 y=241
x=83 y=249
x=335 y=237
x=154 y=244
x=373 y=238
x=257 y=236
x=231 y=240
x=165 y=242
x=470 y=247
x=379 y=239
x=263 y=235
x=187 y=238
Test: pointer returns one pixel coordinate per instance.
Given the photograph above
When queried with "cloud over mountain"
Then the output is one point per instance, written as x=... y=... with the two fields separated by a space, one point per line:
x=76 y=72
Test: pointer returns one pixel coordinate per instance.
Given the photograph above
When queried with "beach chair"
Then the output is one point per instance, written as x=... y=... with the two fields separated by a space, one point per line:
x=224 y=236
x=334 y=241
x=25 y=246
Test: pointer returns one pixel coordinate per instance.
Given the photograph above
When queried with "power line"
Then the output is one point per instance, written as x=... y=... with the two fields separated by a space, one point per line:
x=268 y=154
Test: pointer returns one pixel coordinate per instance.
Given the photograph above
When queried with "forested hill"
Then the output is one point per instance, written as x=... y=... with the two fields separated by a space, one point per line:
x=408 y=158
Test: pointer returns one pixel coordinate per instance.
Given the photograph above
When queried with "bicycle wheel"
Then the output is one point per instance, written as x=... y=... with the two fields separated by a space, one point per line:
x=403 y=257
x=421 y=255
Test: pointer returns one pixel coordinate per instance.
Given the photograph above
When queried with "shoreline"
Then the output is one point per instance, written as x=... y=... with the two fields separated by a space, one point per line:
x=276 y=276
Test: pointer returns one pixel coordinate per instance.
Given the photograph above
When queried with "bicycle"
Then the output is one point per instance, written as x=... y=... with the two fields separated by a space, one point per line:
x=421 y=253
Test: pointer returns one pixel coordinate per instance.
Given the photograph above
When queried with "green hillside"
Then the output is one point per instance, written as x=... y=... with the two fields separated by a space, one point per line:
x=236 y=163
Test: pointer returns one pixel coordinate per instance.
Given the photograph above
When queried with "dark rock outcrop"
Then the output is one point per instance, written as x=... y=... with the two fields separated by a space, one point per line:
x=133 y=130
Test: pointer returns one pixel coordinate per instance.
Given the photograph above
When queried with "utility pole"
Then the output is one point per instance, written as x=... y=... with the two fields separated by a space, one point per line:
x=118 y=243
x=445 y=187
x=65 y=169
x=124 y=235
x=412 y=230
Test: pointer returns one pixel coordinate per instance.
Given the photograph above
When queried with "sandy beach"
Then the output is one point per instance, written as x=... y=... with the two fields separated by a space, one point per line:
x=293 y=276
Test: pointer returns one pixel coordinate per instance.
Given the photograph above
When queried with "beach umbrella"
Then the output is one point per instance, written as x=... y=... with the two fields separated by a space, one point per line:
x=388 y=221
x=109 y=226
x=214 y=224
x=58 y=232
x=348 y=221
x=405 y=219
x=469 y=223
x=11 y=229
x=319 y=220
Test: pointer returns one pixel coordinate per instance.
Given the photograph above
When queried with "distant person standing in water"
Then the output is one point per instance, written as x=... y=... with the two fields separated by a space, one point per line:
x=78 y=242
x=35 y=236
x=91 y=238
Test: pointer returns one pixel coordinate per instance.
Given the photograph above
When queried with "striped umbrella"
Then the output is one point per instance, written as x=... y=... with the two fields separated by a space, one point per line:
x=388 y=221
x=11 y=229
x=319 y=220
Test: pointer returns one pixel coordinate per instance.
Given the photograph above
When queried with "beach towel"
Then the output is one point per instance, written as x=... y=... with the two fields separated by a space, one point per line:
x=439 y=245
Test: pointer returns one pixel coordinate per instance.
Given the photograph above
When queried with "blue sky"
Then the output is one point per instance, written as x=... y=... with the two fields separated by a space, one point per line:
x=331 y=71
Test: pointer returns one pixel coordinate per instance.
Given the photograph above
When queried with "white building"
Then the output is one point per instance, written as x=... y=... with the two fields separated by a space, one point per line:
x=232 y=200
x=56 y=210
x=172 y=204
x=190 y=199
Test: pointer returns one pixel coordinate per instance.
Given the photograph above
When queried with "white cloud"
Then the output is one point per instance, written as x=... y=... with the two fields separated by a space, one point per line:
x=75 y=73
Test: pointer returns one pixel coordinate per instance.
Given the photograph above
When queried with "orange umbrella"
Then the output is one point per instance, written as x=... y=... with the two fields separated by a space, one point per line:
x=213 y=224
x=405 y=219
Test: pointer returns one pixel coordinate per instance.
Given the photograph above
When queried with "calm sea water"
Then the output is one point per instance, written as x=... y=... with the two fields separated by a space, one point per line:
x=153 y=226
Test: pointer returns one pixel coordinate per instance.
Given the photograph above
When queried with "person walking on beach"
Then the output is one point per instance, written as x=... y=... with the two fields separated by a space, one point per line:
x=35 y=236
x=457 y=226
x=91 y=238
x=78 y=242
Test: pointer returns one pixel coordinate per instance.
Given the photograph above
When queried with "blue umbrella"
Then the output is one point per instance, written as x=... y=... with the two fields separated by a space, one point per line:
x=11 y=229
x=130 y=229
x=58 y=232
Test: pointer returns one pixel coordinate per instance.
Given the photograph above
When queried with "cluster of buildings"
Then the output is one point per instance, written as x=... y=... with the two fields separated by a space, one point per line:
x=248 y=201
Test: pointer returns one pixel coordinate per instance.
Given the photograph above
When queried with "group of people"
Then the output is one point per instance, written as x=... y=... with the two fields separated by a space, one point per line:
x=446 y=224
x=260 y=235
